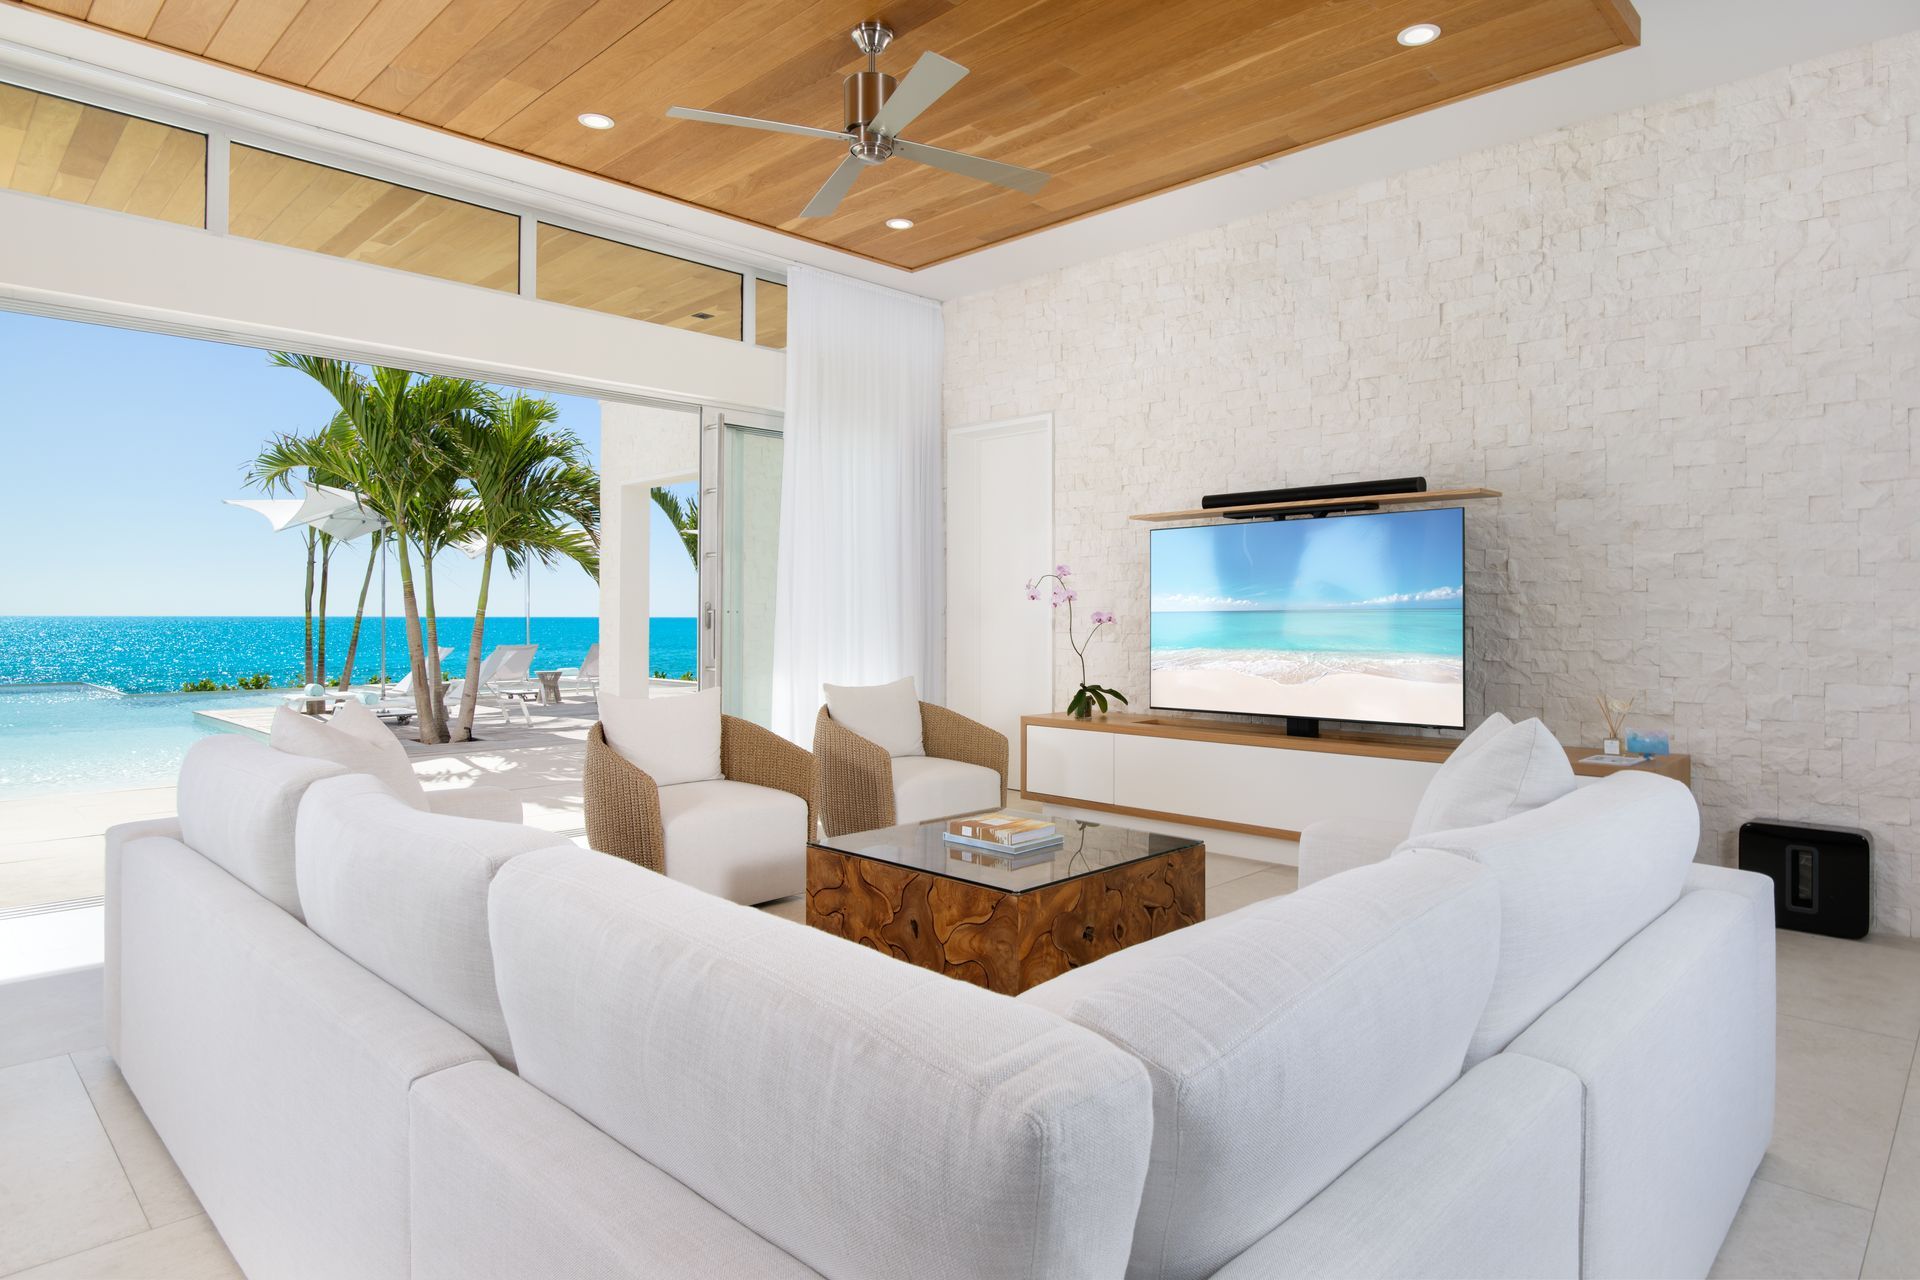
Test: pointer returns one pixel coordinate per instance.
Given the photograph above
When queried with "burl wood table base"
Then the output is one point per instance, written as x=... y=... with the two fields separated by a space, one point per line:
x=1003 y=941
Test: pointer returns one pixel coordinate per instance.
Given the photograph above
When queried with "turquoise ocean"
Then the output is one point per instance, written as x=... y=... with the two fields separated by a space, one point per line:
x=156 y=655
x=1391 y=632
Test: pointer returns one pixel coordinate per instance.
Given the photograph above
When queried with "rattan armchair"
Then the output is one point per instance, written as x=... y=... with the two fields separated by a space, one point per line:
x=623 y=803
x=855 y=785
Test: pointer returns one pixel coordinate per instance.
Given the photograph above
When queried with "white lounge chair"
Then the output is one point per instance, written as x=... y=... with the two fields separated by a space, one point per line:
x=396 y=702
x=586 y=675
x=505 y=681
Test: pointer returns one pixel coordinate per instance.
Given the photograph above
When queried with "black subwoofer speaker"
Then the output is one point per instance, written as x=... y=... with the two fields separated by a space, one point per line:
x=1822 y=876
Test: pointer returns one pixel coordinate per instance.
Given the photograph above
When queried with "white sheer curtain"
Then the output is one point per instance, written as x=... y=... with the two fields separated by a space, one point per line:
x=860 y=597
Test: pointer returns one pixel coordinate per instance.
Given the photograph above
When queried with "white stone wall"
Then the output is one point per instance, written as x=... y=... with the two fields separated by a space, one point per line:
x=1683 y=340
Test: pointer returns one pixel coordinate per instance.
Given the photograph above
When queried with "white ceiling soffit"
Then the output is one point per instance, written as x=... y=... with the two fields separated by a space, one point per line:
x=1687 y=45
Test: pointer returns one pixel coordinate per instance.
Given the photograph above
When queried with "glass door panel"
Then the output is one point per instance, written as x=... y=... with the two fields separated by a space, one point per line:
x=744 y=519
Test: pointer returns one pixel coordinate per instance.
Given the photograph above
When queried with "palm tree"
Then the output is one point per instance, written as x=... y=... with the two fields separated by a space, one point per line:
x=684 y=515
x=529 y=493
x=400 y=423
x=325 y=457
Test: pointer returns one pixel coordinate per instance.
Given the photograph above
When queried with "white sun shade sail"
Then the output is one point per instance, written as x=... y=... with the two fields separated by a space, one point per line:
x=338 y=513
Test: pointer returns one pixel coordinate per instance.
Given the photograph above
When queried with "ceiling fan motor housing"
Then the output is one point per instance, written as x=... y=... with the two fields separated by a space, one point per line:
x=867 y=92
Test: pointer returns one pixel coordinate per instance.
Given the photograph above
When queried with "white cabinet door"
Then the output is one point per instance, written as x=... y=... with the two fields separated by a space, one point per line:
x=1074 y=764
x=1263 y=786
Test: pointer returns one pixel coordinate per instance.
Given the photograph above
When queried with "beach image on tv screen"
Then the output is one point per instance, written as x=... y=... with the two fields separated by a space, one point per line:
x=1340 y=618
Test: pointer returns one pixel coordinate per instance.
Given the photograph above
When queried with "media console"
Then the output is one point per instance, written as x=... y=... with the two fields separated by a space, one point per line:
x=1240 y=776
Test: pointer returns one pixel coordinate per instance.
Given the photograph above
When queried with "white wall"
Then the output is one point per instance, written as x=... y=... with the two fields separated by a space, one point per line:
x=96 y=264
x=640 y=446
x=1684 y=341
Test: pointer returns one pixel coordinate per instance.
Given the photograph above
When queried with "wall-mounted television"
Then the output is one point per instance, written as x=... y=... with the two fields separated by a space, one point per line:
x=1354 y=617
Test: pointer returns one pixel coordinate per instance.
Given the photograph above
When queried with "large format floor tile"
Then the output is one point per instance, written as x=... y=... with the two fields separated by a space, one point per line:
x=1870 y=985
x=186 y=1250
x=1246 y=890
x=1894 y=1250
x=163 y=1194
x=44 y=1016
x=1839 y=1097
x=1784 y=1234
x=60 y=1182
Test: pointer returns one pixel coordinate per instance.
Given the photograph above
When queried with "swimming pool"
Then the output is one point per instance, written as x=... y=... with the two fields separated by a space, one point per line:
x=80 y=737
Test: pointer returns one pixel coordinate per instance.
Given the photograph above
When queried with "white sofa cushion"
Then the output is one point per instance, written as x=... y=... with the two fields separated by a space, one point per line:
x=742 y=842
x=238 y=799
x=354 y=739
x=1498 y=770
x=869 y=1117
x=885 y=714
x=405 y=894
x=1577 y=878
x=1285 y=1040
x=929 y=787
x=672 y=739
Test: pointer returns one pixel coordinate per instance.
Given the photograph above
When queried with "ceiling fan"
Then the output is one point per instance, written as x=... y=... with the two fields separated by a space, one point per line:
x=876 y=113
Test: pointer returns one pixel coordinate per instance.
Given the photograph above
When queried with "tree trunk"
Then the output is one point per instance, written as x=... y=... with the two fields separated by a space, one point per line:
x=359 y=612
x=438 y=695
x=423 y=698
x=307 y=603
x=470 y=687
x=326 y=562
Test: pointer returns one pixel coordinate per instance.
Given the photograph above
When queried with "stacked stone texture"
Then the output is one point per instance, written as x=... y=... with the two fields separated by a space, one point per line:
x=1684 y=341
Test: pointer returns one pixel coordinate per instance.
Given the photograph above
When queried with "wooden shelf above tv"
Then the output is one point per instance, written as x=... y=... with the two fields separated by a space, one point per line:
x=1312 y=504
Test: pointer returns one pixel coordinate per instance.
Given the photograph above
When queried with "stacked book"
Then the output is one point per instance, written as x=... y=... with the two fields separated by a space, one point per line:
x=1004 y=840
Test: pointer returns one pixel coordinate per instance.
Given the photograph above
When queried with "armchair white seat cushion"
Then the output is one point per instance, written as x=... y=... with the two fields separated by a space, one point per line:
x=885 y=714
x=354 y=738
x=734 y=839
x=927 y=787
x=672 y=739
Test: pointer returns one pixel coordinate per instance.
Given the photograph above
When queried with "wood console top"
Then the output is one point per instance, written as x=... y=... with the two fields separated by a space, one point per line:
x=1385 y=745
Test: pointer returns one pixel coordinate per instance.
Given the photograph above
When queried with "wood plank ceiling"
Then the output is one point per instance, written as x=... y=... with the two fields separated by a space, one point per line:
x=1118 y=99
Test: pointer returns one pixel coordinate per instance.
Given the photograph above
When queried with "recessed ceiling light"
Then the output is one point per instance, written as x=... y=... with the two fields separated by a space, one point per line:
x=594 y=120
x=1418 y=34
x=900 y=224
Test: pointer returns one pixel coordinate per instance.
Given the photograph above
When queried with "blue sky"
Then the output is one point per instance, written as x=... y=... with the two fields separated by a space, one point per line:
x=119 y=447
x=1402 y=558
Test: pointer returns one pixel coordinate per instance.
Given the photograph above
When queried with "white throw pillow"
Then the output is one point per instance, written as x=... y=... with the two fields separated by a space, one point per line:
x=1499 y=770
x=354 y=738
x=887 y=714
x=672 y=740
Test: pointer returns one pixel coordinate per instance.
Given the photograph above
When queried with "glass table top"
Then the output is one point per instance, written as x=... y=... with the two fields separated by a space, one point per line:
x=1086 y=848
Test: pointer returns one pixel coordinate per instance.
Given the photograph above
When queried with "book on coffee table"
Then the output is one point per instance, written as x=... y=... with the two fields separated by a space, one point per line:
x=1003 y=829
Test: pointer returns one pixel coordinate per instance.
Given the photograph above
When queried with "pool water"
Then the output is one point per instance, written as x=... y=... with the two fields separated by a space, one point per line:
x=77 y=737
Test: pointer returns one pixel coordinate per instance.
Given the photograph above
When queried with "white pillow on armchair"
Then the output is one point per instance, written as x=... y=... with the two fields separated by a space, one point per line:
x=885 y=714
x=672 y=740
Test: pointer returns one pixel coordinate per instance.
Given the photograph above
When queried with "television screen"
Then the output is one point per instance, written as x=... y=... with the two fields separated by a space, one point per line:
x=1340 y=618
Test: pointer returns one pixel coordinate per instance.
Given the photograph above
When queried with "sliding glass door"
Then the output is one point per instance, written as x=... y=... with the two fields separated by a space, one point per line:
x=740 y=551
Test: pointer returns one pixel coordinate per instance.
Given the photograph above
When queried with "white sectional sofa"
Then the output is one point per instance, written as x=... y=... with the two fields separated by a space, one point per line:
x=382 y=1043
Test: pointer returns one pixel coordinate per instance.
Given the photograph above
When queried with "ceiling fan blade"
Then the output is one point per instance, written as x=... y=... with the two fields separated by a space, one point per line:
x=932 y=76
x=994 y=171
x=753 y=122
x=828 y=197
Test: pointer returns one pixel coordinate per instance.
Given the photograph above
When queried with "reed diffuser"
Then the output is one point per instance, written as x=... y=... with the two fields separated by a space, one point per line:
x=1614 y=711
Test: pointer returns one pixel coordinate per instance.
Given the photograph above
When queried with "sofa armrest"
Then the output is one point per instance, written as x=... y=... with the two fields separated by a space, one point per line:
x=1333 y=845
x=753 y=754
x=623 y=806
x=490 y=804
x=854 y=776
x=952 y=736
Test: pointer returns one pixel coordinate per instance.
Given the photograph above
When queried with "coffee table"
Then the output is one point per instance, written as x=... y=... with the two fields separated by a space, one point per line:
x=900 y=890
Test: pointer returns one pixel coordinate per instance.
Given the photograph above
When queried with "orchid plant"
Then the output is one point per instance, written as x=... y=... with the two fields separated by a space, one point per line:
x=1088 y=695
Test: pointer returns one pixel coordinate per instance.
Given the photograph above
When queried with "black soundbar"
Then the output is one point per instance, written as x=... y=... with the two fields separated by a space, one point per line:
x=1308 y=492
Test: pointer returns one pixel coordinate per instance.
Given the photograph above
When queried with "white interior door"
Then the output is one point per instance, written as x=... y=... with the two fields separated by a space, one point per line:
x=999 y=536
